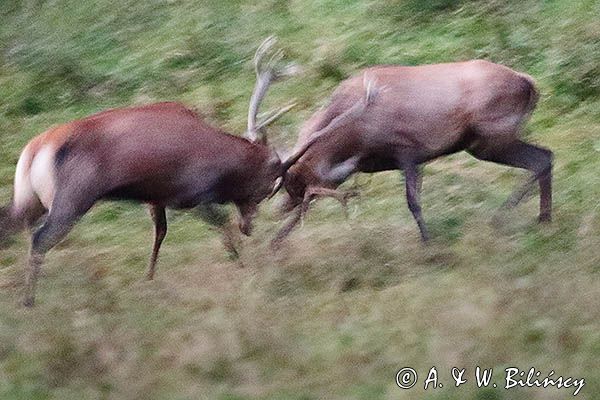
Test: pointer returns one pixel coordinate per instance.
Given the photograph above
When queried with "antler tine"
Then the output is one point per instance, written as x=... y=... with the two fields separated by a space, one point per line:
x=264 y=47
x=261 y=66
x=267 y=71
x=275 y=58
x=264 y=76
x=274 y=116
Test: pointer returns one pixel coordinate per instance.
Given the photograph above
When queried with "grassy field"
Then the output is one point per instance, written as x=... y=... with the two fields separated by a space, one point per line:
x=347 y=302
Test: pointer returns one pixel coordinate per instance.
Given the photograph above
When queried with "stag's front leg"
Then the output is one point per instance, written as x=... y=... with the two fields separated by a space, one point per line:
x=246 y=218
x=219 y=218
x=313 y=193
x=413 y=184
x=299 y=213
x=159 y=217
x=287 y=228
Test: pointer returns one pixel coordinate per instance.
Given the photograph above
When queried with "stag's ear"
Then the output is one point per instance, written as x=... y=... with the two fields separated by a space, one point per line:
x=274 y=159
x=261 y=137
x=274 y=164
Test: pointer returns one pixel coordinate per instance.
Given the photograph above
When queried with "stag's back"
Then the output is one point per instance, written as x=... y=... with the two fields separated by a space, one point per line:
x=432 y=106
x=121 y=145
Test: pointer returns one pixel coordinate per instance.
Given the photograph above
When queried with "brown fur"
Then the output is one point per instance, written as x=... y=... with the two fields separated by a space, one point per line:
x=422 y=113
x=161 y=154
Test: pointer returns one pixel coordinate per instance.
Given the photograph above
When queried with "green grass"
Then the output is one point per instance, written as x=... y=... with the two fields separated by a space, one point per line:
x=346 y=303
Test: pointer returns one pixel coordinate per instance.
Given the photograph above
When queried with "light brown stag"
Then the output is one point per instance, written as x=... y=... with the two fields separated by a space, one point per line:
x=421 y=113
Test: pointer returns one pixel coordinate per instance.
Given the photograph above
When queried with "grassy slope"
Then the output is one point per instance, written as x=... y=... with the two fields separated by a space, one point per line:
x=347 y=303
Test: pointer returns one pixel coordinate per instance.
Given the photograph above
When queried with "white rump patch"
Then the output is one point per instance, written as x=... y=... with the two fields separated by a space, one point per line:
x=42 y=175
x=23 y=192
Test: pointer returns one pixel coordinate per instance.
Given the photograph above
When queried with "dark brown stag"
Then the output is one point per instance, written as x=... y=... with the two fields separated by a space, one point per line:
x=421 y=113
x=161 y=154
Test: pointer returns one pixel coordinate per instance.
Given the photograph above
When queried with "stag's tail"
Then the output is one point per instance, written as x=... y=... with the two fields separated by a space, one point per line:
x=25 y=202
x=534 y=94
x=10 y=224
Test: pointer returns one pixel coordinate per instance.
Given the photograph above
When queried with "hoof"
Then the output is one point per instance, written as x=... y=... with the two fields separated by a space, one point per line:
x=275 y=245
x=28 y=302
x=498 y=220
x=545 y=219
x=351 y=194
x=233 y=255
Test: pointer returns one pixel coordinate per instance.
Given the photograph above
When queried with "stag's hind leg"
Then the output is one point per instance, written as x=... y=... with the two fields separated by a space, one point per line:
x=61 y=219
x=159 y=217
x=527 y=156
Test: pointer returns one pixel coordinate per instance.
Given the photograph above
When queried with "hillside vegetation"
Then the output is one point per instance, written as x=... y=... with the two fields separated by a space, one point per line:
x=346 y=303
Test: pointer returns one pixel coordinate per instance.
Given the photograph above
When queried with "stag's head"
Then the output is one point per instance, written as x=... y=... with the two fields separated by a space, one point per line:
x=295 y=183
x=268 y=172
x=269 y=69
x=275 y=171
x=308 y=171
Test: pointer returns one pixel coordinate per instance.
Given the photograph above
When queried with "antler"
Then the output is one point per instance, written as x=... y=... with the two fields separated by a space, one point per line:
x=266 y=73
x=371 y=92
x=312 y=193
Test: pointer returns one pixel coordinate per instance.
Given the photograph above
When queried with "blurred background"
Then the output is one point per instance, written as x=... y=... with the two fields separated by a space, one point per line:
x=347 y=302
